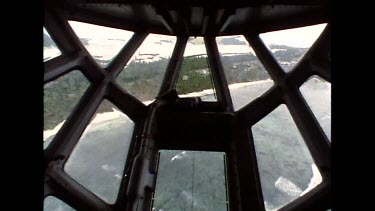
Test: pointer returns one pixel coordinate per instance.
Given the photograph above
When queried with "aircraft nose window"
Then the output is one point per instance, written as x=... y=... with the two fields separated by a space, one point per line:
x=187 y=105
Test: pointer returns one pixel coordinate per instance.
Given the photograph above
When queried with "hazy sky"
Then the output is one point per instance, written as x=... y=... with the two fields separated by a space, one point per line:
x=106 y=42
x=298 y=37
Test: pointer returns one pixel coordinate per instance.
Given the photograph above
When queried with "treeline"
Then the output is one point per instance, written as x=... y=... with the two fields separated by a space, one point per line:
x=289 y=53
x=231 y=41
x=243 y=68
x=143 y=80
x=194 y=75
x=61 y=96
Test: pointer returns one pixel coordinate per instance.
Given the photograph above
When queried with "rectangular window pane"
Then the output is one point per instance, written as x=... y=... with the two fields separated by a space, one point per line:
x=195 y=78
x=190 y=180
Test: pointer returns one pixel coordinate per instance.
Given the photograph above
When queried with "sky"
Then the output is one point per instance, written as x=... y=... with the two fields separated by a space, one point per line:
x=298 y=37
x=106 y=42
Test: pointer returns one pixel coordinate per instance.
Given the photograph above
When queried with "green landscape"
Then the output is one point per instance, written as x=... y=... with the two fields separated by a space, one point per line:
x=143 y=81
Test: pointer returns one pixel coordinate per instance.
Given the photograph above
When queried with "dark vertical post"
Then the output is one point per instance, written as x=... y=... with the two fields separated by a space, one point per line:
x=220 y=82
x=244 y=176
x=174 y=65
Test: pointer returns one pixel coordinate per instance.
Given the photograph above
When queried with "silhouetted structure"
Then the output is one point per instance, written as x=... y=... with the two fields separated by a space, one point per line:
x=177 y=123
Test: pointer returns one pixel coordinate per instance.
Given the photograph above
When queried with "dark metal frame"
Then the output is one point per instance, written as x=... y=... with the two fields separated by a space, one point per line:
x=136 y=188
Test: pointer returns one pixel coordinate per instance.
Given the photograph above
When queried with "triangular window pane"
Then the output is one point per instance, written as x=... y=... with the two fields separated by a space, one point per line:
x=103 y=43
x=245 y=74
x=60 y=98
x=53 y=204
x=144 y=74
x=195 y=78
x=50 y=49
x=286 y=168
x=317 y=93
x=97 y=162
x=289 y=46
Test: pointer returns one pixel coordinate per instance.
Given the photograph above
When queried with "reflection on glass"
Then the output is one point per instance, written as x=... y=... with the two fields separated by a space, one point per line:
x=143 y=75
x=60 y=98
x=50 y=50
x=289 y=46
x=97 y=162
x=103 y=43
x=286 y=168
x=317 y=93
x=246 y=76
x=54 y=204
x=195 y=79
x=190 y=180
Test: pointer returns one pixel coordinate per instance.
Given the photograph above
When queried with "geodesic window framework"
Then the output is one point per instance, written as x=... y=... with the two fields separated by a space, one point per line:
x=103 y=43
x=103 y=87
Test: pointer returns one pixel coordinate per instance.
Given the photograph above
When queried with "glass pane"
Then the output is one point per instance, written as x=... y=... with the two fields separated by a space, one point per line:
x=50 y=50
x=246 y=76
x=289 y=46
x=60 y=98
x=98 y=160
x=195 y=79
x=54 y=204
x=317 y=93
x=144 y=74
x=190 y=180
x=286 y=168
x=103 y=43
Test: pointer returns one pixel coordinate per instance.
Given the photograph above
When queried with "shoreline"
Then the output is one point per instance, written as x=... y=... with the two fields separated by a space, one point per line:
x=111 y=115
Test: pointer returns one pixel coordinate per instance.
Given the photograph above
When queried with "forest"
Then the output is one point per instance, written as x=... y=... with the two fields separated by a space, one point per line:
x=143 y=80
